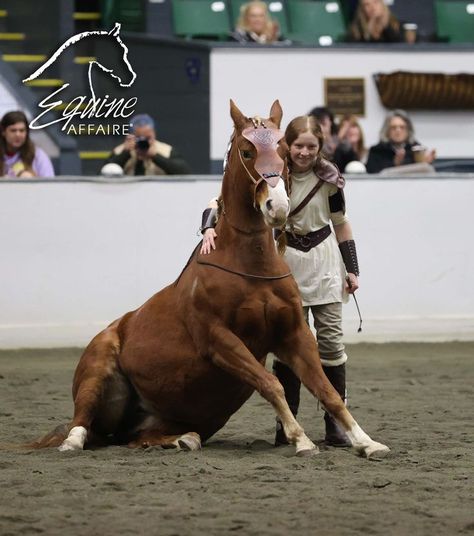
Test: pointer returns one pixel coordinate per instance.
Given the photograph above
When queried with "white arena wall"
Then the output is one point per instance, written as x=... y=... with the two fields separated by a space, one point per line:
x=296 y=77
x=76 y=255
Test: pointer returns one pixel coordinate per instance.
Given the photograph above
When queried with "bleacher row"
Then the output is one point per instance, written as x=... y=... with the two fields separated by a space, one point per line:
x=312 y=21
x=27 y=38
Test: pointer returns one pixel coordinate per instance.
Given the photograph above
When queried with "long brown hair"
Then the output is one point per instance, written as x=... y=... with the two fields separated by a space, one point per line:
x=27 y=150
x=351 y=121
x=300 y=125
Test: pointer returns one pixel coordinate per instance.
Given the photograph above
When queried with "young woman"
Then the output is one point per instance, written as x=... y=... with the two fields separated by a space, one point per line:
x=374 y=23
x=18 y=155
x=321 y=254
x=351 y=143
x=255 y=24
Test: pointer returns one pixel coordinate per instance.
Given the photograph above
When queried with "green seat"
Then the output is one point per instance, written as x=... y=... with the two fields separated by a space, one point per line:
x=276 y=8
x=316 y=23
x=201 y=18
x=129 y=13
x=455 y=21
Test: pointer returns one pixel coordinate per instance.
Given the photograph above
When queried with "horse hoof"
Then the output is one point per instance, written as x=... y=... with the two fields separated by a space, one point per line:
x=375 y=451
x=66 y=446
x=307 y=453
x=190 y=441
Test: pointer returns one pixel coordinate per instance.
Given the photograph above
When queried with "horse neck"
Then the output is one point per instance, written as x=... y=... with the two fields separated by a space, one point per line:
x=241 y=226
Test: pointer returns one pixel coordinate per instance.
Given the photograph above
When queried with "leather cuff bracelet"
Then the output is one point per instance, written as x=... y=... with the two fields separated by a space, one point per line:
x=209 y=219
x=349 y=256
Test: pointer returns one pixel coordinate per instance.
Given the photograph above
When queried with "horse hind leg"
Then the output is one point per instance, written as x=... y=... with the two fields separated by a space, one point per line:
x=152 y=438
x=100 y=391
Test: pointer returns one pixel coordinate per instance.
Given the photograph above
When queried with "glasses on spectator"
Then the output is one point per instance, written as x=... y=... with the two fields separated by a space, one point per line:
x=395 y=127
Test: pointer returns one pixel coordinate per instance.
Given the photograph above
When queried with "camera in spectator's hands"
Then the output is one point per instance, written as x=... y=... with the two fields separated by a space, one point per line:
x=142 y=144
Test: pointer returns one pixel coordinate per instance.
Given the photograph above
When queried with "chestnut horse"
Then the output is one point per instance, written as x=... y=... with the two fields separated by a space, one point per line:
x=173 y=372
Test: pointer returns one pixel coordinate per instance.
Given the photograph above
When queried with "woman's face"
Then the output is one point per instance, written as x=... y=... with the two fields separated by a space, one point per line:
x=303 y=152
x=15 y=135
x=353 y=135
x=372 y=8
x=256 y=19
x=398 y=130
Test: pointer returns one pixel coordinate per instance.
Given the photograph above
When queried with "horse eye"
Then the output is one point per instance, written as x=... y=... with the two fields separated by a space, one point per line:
x=247 y=155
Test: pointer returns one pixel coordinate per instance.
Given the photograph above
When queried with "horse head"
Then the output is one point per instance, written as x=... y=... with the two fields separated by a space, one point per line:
x=115 y=33
x=257 y=161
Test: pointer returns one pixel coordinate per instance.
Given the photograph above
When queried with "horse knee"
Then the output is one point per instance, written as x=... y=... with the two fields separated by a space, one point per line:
x=271 y=388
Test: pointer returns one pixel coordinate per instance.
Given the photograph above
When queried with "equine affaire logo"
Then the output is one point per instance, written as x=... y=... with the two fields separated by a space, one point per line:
x=89 y=107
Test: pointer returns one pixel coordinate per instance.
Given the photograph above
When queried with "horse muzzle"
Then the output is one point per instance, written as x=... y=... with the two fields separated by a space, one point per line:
x=276 y=206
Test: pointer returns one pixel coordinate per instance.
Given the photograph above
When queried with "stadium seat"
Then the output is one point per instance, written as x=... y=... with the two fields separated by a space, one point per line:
x=201 y=18
x=314 y=22
x=276 y=9
x=129 y=13
x=455 y=20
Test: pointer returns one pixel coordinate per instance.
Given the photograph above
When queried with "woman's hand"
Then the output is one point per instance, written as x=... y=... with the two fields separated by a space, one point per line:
x=430 y=156
x=26 y=174
x=352 y=283
x=208 y=243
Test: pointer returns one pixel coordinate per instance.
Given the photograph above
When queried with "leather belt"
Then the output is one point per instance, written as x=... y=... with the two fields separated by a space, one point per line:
x=307 y=241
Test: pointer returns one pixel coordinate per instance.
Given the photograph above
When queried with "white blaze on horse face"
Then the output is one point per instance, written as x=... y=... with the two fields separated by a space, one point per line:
x=276 y=206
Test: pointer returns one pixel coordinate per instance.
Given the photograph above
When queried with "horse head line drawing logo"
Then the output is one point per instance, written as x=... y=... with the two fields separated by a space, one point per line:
x=94 y=101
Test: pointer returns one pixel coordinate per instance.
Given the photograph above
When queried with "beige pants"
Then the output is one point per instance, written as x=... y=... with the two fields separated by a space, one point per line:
x=328 y=326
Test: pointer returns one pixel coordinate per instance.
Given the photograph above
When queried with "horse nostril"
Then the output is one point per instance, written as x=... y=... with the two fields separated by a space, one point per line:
x=268 y=204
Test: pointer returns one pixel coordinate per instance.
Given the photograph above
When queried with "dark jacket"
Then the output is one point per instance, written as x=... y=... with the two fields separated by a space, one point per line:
x=381 y=156
x=167 y=161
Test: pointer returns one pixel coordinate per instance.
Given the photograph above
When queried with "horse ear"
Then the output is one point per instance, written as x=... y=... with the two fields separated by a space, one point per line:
x=276 y=113
x=115 y=30
x=237 y=116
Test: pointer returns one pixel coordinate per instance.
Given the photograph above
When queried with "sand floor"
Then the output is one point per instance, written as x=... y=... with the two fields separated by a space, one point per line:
x=417 y=398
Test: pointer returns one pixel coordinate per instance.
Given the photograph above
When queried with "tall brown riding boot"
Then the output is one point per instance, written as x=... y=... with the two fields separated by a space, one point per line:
x=335 y=436
x=291 y=385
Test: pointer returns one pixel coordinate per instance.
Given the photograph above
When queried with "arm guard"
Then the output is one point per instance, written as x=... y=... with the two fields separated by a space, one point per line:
x=349 y=256
x=209 y=219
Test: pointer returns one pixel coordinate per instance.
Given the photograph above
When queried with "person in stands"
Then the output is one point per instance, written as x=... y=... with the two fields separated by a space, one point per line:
x=255 y=25
x=374 y=23
x=142 y=154
x=397 y=146
x=19 y=156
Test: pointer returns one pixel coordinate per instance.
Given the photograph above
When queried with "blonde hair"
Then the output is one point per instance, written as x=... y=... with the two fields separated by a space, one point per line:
x=360 y=27
x=242 y=24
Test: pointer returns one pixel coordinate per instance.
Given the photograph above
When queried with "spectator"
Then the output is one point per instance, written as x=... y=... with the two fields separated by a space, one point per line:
x=351 y=143
x=255 y=24
x=325 y=118
x=19 y=157
x=374 y=23
x=143 y=154
x=397 y=140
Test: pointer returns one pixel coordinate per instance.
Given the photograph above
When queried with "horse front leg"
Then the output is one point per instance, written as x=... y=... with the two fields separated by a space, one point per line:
x=300 y=352
x=229 y=353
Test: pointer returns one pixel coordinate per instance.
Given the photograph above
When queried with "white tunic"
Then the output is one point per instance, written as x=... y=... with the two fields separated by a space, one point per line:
x=320 y=272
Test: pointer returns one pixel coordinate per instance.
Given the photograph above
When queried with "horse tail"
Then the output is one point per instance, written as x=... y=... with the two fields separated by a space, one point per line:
x=52 y=439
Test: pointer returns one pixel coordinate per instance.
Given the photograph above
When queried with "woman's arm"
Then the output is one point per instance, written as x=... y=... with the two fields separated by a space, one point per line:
x=349 y=255
x=209 y=217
